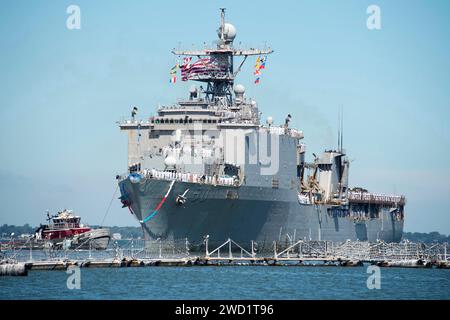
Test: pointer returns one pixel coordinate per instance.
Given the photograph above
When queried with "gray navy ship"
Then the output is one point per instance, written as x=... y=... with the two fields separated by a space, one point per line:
x=208 y=166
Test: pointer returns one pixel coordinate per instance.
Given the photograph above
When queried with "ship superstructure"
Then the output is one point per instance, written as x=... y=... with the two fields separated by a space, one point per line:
x=207 y=165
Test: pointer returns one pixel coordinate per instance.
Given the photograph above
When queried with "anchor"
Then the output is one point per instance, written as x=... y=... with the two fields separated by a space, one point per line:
x=181 y=198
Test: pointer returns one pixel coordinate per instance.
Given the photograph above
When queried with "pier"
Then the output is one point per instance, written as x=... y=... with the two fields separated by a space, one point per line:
x=159 y=253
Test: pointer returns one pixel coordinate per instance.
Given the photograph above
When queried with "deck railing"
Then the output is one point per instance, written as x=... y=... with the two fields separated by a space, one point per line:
x=375 y=198
x=190 y=177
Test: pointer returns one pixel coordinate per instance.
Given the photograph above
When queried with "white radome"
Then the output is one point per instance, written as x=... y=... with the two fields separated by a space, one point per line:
x=229 y=32
x=239 y=89
x=170 y=161
x=269 y=120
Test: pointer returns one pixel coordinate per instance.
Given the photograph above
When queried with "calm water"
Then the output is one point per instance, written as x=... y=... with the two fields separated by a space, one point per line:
x=230 y=283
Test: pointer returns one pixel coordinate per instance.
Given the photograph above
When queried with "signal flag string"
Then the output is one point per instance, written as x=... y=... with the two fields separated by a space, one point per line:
x=259 y=65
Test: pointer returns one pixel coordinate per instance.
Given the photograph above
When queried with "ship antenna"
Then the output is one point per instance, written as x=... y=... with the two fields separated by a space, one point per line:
x=222 y=24
x=342 y=128
x=339 y=130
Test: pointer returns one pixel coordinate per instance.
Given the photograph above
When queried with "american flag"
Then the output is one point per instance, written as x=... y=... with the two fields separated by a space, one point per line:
x=200 y=67
x=187 y=62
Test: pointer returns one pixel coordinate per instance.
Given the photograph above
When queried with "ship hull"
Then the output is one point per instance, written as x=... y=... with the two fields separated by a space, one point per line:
x=244 y=214
x=97 y=239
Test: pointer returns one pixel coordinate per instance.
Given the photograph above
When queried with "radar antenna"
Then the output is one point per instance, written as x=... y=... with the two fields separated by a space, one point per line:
x=222 y=24
x=215 y=65
x=341 y=129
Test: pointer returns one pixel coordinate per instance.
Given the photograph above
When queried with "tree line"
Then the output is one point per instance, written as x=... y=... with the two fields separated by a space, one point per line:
x=136 y=232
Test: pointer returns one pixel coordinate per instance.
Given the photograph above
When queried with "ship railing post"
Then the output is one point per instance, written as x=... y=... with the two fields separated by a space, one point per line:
x=160 y=247
x=300 y=249
x=290 y=245
x=445 y=251
x=31 y=250
x=417 y=252
x=132 y=248
x=206 y=245
x=11 y=242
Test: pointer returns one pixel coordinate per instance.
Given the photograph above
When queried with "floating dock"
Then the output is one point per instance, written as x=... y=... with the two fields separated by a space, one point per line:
x=183 y=262
x=230 y=253
x=13 y=269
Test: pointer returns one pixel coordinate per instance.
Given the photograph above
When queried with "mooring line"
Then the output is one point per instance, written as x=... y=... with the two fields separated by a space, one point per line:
x=109 y=206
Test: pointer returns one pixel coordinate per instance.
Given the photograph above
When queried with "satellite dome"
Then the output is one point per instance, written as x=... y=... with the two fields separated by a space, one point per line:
x=229 y=32
x=193 y=89
x=269 y=120
x=239 y=89
x=170 y=161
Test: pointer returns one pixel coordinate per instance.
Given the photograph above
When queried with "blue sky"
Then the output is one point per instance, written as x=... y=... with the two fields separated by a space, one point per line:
x=63 y=90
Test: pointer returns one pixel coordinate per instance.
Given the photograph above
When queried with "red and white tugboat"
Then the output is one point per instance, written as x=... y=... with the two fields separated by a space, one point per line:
x=64 y=230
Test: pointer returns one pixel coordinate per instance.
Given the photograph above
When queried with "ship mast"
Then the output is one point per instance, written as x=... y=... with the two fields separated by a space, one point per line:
x=222 y=24
x=220 y=78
